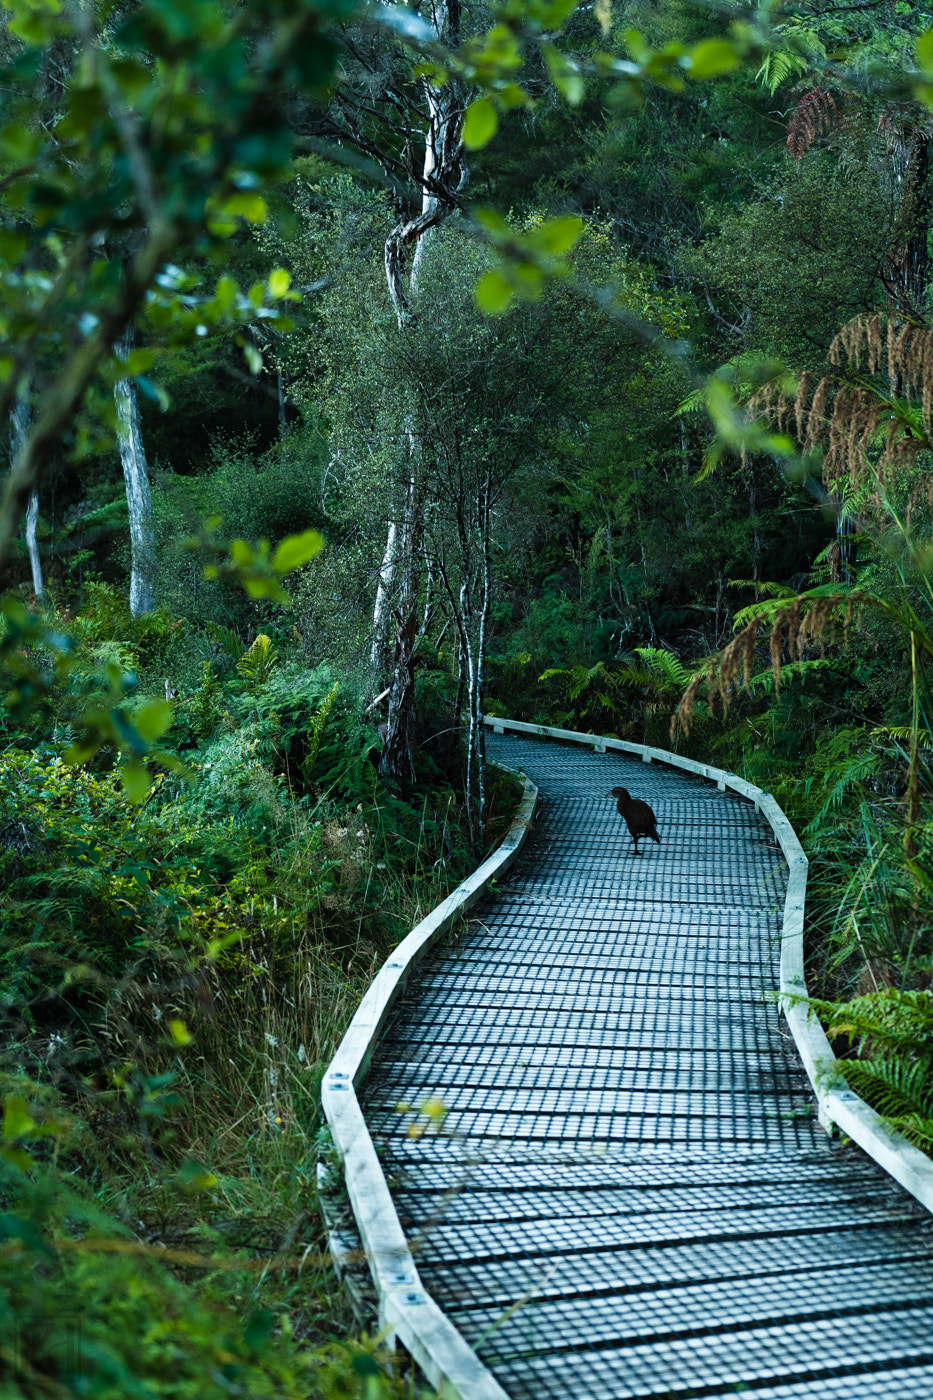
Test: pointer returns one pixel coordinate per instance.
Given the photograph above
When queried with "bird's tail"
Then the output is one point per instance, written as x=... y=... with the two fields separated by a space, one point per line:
x=653 y=833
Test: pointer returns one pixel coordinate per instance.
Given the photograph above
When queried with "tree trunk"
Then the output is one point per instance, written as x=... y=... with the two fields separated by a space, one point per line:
x=138 y=493
x=444 y=174
x=19 y=431
x=485 y=607
x=381 y=616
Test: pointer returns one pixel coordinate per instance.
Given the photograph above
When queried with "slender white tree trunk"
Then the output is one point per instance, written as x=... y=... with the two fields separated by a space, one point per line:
x=138 y=492
x=383 y=594
x=444 y=174
x=19 y=429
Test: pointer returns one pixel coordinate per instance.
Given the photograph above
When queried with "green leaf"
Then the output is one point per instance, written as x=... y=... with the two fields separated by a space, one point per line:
x=258 y=586
x=253 y=357
x=296 y=550
x=179 y=1032
x=565 y=75
x=192 y=1177
x=138 y=361
x=493 y=293
x=556 y=236
x=241 y=553
x=712 y=57
x=925 y=52
x=247 y=204
x=365 y=1366
x=554 y=14
x=480 y=124
x=279 y=282
x=32 y=21
x=225 y=296
x=153 y=718
x=17 y=1120
x=493 y=222
x=136 y=779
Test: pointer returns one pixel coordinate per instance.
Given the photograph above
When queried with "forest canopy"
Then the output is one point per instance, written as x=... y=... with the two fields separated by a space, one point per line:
x=369 y=370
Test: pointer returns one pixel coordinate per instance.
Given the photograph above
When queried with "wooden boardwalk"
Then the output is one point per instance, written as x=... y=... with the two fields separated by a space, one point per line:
x=630 y=1194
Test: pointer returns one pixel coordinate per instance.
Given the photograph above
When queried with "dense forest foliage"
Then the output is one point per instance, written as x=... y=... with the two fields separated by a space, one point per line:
x=569 y=364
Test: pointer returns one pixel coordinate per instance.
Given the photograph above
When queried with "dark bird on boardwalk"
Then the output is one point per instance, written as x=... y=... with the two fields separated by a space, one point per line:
x=637 y=815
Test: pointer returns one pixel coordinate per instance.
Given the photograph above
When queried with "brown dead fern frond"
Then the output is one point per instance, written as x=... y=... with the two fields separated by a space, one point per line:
x=812 y=117
x=816 y=419
x=682 y=718
x=900 y=339
x=835 y=561
x=770 y=402
x=866 y=342
x=859 y=342
x=806 y=622
x=801 y=417
x=813 y=625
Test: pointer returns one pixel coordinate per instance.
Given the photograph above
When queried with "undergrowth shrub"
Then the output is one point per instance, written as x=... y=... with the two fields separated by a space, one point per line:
x=88 y=1308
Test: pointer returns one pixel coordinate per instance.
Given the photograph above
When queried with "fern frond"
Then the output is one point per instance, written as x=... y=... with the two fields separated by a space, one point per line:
x=840 y=780
x=904 y=733
x=767 y=590
x=665 y=664
x=766 y=609
x=895 y=1088
x=691 y=404
x=580 y=678
x=226 y=640
x=258 y=663
x=916 y=1129
x=779 y=67
x=898 y=1020
x=765 y=679
x=810 y=118
x=318 y=725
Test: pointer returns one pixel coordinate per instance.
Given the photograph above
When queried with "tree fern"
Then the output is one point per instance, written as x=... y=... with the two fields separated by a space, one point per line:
x=765 y=608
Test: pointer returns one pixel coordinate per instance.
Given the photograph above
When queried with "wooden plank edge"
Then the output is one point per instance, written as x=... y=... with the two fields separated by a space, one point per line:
x=837 y=1104
x=406 y=1309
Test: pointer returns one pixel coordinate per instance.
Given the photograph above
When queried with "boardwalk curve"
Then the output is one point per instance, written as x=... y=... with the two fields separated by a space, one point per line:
x=631 y=1194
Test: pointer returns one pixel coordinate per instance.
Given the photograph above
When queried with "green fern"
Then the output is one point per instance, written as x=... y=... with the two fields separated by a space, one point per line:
x=225 y=639
x=892 y=1086
x=259 y=662
x=767 y=590
x=903 y=733
x=765 y=608
x=779 y=67
x=793 y=671
x=318 y=725
x=892 y=1019
x=893 y=1033
x=665 y=664
x=594 y=686
x=804 y=48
